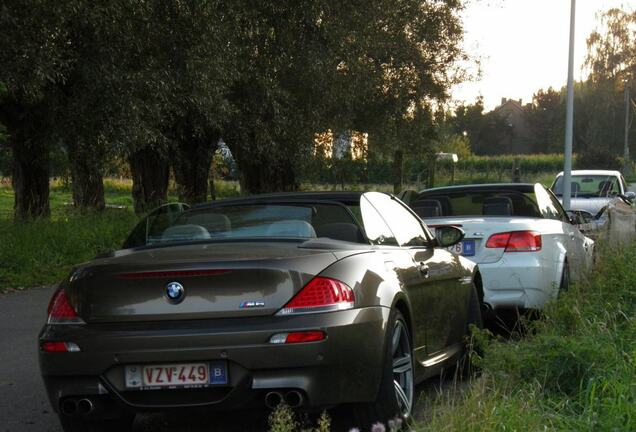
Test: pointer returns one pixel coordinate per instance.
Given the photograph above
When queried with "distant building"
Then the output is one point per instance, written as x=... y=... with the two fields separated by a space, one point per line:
x=516 y=138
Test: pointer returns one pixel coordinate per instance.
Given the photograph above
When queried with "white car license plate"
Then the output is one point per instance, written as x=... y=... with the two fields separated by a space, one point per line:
x=464 y=247
x=176 y=375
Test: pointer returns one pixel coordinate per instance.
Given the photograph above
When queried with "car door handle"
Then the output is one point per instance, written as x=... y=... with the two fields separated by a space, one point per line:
x=423 y=268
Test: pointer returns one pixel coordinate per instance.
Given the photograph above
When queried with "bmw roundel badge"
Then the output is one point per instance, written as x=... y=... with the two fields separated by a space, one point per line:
x=175 y=292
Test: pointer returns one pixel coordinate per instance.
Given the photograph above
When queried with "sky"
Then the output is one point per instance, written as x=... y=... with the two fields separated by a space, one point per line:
x=523 y=45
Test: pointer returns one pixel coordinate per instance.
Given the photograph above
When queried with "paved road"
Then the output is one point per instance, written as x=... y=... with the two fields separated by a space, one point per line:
x=23 y=404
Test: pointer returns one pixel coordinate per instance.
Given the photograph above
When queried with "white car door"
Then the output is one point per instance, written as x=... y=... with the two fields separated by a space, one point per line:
x=575 y=240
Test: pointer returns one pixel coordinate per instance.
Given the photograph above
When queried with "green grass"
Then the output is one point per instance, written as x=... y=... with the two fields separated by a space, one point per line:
x=576 y=371
x=42 y=252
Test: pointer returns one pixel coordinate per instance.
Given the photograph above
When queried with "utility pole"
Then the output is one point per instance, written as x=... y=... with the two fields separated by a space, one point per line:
x=627 y=165
x=569 y=116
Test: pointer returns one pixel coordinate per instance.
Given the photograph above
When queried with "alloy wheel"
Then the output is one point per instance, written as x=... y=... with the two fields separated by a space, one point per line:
x=402 y=368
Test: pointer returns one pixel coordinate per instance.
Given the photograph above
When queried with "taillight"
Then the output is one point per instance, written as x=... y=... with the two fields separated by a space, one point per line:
x=320 y=295
x=298 y=337
x=55 y=347
x=61 y=311
x=516 y=241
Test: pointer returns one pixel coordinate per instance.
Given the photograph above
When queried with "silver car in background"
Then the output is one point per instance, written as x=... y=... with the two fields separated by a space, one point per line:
x=592 y=190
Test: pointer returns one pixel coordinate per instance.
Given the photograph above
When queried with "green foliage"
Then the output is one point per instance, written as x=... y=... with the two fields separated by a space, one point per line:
x=597 y=159
x=574 y=370
x=472 y=169
x=282 y=419
x=42 y=252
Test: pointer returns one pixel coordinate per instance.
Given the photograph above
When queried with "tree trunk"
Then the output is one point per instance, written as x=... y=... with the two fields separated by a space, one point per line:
x=87 y=178
x=192 y=167
x=28 y=138
x=212 y=186
x=30 y=181
x=258 y=176
x=398 y=168
x=150 y=173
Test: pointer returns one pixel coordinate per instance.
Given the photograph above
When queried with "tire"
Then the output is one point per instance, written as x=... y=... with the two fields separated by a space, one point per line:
x=395 y=397
x=465 y=364
x=78 y=424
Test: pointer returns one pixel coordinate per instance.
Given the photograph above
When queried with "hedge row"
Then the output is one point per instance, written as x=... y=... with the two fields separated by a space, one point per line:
x=381 y=172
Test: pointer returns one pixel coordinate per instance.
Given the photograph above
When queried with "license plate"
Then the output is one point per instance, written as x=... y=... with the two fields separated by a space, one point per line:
x=464 y=247
x=182 y=375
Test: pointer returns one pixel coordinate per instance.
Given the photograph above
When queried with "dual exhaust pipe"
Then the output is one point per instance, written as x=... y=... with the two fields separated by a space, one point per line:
x=71 y=407
x=293 y=398
x=83 y=407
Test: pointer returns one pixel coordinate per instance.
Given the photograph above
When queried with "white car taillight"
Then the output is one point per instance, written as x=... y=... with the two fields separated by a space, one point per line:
x=516 y=241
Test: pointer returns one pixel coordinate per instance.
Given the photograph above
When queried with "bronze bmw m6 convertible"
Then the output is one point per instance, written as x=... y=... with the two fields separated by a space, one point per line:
x=315 y=299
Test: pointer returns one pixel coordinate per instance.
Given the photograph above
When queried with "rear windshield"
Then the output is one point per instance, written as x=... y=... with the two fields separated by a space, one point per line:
x=258 y=221
x=589 y=186
x=477 y=203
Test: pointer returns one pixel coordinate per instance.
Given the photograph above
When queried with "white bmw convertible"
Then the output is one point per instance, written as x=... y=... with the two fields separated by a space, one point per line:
x=525 y=245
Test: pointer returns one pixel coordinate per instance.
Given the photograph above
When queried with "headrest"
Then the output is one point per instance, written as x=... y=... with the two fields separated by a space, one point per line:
x=428 y=208
x=290 y=228
x=497 y=206
x=340 y=231
x=185 y=233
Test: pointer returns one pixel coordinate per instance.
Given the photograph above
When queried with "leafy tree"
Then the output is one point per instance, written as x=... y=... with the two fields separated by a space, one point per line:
x=611 y=61
x=546 y=118
x=33 y=59
x=372 y=66
x=612 y=47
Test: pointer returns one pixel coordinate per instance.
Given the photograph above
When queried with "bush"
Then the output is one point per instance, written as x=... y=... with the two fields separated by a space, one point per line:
x=472 y=169
x=597 y=159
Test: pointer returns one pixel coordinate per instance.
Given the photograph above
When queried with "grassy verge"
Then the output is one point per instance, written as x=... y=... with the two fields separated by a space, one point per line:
x=42 y=252
x=575 y=371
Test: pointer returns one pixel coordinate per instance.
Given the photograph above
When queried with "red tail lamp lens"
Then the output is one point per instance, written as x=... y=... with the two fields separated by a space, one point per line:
x=56 y=347
x=321 y=295
x=516 y=241
x=298 y=337
x=60 y=310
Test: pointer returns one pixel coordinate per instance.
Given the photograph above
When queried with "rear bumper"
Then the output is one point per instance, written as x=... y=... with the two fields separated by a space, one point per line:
x=520 y=280
x=343 y=368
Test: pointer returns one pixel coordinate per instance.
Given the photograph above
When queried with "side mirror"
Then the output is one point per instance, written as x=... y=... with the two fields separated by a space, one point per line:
x=579 y=217
x=448 y=236
x=629 y=196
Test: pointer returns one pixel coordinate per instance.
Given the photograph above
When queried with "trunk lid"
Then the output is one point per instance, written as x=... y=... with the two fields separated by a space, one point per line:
x=219 y=280
x=479 y=230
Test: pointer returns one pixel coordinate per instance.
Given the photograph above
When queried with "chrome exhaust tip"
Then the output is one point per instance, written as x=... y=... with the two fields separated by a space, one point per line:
x=68 y=407
x=85 y=406
x=294 y=399
x=273 y=399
